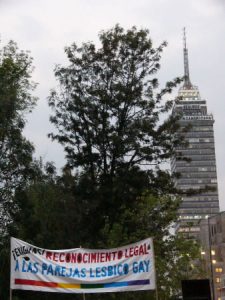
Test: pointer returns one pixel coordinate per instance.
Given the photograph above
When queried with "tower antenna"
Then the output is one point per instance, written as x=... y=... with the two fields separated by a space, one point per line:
x=187 y=82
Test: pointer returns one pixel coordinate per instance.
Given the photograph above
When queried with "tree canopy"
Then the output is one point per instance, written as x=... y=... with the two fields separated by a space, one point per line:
x=112 y=119
x=107 y=110
x=15 y=100
x=117 y=131
x=114 y=122
x=16 y=162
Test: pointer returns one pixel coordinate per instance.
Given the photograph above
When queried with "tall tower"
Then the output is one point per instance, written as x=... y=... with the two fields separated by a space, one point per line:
x=199 y=171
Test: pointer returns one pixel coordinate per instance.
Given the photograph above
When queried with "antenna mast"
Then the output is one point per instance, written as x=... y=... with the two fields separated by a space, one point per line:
x=187 y=82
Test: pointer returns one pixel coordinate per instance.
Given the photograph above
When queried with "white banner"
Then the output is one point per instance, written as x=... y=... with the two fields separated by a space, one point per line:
x=79 y=270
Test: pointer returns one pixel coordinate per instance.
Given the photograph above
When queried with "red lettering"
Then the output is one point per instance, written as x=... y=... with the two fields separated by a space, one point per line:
x=73 y=258
x=49 y=255
x=62 y=257
x=126 y=253
x=146 y=249
x=79 y=258
x=120 y=254
x=143 y=250
x=93 y=257
x=136 y=251
x=102 y=257
x=56 y=256
x=108 y=256
x=114 y=255
x=85 y=258
x=131 y=252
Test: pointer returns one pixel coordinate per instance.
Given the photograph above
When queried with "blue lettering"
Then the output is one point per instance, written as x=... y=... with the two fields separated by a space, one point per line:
x=135 y=267
x=44 y=268
x=29 y=268
x=70 y=273
x=23 y=266
x=76 y=273
x=57 y=271
x=110 y=271
x=142 y=266
x=126 y=269
x=35 y=270
x=91 y=273
x=120 y=269
x=98 y=272
x=17 y=266
x=50 y=270
x=147 y=263
x=83 y=273
x=63 y=272
x=104 y=274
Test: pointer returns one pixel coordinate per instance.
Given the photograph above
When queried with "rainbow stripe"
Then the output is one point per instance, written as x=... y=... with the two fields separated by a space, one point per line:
x=80 y=286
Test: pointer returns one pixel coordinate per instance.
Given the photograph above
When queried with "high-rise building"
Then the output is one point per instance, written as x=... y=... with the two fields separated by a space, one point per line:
x=200 y=171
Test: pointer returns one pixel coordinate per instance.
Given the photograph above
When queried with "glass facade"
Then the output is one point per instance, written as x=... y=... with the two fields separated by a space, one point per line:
x=198 y=170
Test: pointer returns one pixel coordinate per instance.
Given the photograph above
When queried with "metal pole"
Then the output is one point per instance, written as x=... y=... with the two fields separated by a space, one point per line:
x=156 y=293
x=10 y=290
x=84 y=298
x=210 y=258
x=156 y=286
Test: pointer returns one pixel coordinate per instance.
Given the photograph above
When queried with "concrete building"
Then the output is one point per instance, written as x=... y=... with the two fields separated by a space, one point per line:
x=200 y=171
x=212 y=238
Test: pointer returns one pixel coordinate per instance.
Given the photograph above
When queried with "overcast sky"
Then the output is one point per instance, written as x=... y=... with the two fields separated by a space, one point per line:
x=45 y=27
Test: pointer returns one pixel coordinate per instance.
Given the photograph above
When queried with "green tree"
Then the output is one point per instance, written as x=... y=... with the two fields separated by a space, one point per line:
x=117 y=132
x=16 y=165
x=47 y=215
x=111 y=120
x=15 y=101
x=107 y=111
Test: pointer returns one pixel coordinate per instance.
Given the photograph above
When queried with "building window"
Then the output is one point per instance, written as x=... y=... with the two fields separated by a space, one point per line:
x=218 y=280
x=219 y=270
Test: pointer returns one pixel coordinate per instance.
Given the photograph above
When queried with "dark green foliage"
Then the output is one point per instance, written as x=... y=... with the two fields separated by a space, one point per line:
x=47 y=210
x=15 y=101
x=108 y=110
x=113 y=122
x=115 y=126
x=16 y=167
x=47 y=215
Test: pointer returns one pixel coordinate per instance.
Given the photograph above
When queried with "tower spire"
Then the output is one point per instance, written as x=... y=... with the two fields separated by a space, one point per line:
x=187 y=82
